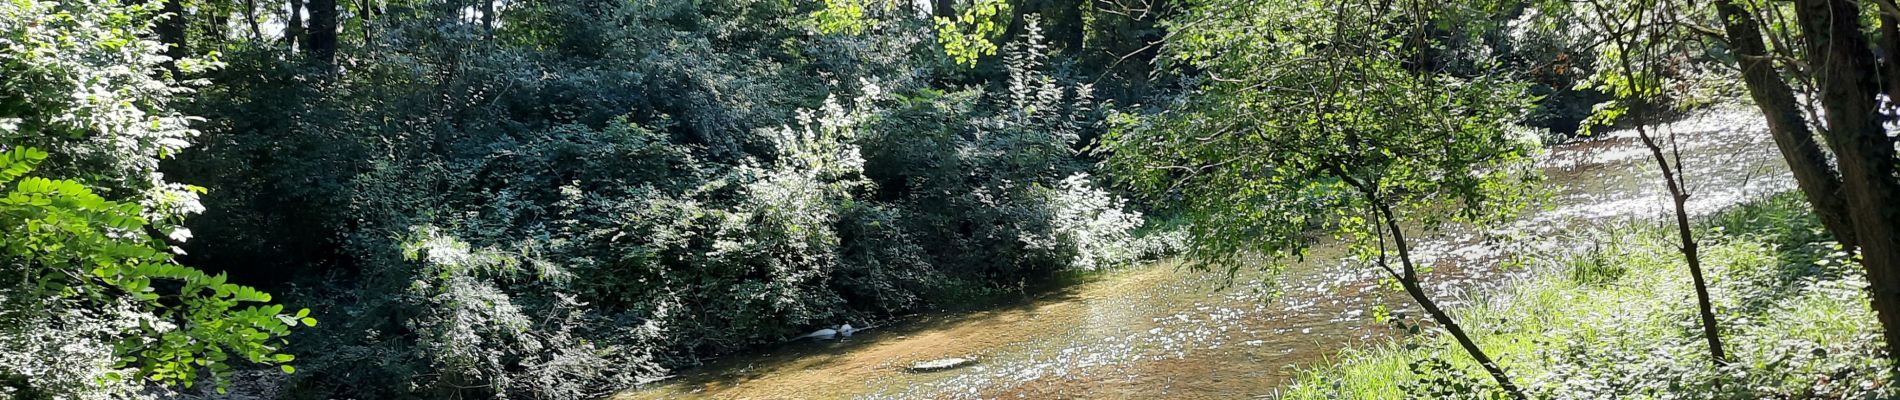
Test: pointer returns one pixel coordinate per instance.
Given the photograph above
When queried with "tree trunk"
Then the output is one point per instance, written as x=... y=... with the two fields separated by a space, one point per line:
x=250 y=17
x=1074 y=27
x=1890 y=50
x=1018 y=11
x=1444 y=320
x=171 y=32
x=1409 y=280
x=1691 y=252
x=488 y=18
x=293 y=29
x=220 y=23
x=1844 y=69
x=323 y=30
x=944 y=8
x=1062 y=19
x=1817 y=179
x=368 y=13
x=1626 y=42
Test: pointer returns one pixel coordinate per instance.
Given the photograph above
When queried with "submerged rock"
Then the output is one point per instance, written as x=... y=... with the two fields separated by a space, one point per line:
x=941 y=364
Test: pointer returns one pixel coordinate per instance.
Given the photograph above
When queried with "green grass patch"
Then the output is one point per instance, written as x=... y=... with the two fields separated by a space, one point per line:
x=1615 y=318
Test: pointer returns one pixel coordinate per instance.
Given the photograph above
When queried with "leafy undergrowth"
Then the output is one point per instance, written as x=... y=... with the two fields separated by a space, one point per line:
x=1616 y=319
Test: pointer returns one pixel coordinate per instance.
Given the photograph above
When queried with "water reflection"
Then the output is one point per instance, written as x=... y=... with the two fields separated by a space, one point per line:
x=1160 y=331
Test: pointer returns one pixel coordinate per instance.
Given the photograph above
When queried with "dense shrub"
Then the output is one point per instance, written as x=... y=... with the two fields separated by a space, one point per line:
x=575 y=206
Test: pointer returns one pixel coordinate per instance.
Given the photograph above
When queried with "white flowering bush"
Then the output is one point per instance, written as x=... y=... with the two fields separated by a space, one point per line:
x=482 y=341
x=65 y=355
x=822 y=146
x=977 y=175
x=1160 y=243
x=1096 y=224
x=785 y=227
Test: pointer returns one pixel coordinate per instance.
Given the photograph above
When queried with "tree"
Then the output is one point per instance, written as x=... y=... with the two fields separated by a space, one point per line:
x=1331 y=119
x=1819 y=182
x=171 y=31
x=971 y=34
x=321 y=45
x=1889 y=15
x=293 y=26
x=1064 y=21
x=1858 y=200
x=1843 y=67
x=1633 y=32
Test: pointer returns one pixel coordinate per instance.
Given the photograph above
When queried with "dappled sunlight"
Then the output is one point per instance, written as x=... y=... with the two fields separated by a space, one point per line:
x=1727 y=156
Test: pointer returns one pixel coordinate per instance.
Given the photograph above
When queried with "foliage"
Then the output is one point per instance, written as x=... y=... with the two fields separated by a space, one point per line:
x=1346 y=121
x=80 y=82
x=557 y=199
x=694 y=180
x=1554 y=55
x=1664 y=71
x=1333 y=127
x=68 y=246
x=967 y=37
x=846 y=16
x=1438 y=379
x=985 y=191
x=80 y=223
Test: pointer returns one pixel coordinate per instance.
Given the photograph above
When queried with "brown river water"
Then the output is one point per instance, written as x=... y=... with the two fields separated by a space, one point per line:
x=1162 y=331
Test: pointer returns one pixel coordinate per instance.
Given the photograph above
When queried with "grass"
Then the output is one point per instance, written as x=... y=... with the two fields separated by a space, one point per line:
x=1616 y=319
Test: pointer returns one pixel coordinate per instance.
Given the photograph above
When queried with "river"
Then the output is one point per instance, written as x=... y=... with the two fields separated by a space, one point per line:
x=1163 y=331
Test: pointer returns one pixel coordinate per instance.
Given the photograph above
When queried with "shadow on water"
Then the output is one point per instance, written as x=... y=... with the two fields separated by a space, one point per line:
x=1161 y=331
x=822 y=366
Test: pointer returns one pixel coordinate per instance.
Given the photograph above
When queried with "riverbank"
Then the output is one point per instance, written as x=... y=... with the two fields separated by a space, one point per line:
x=1614 y=317
x=1159 y=331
